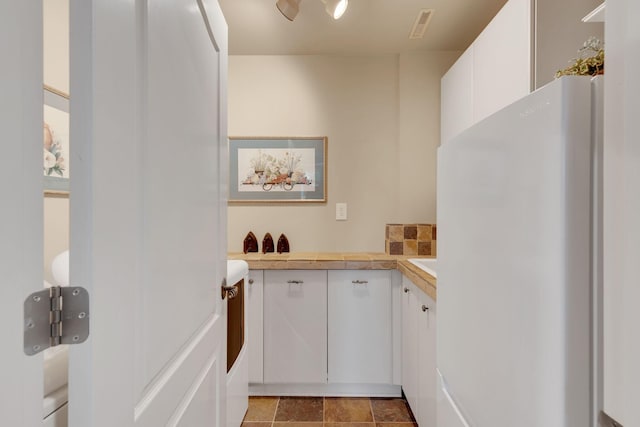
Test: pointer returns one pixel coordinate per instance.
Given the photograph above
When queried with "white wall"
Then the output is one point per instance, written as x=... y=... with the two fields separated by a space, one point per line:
x=381 y=117
x=621 y=213
x=56 y=231
x=56 y=44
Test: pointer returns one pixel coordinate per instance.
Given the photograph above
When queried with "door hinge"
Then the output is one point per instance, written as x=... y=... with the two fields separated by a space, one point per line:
x=54 y=316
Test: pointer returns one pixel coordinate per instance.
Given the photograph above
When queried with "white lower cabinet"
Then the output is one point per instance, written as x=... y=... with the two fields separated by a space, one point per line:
x=360 y=326
x=295 y=326
x=254 y=316
x=324 y=333
x=410 y=344
x=419 y=353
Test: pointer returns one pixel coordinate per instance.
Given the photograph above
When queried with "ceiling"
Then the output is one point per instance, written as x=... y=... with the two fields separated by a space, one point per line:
x=256 y=27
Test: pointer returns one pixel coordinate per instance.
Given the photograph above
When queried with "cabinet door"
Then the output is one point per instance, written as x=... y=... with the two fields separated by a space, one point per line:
x=456 y=111
x=359 y=322
x=502 y=60
x=295 y=326
x=254 y=326
x=427 y=384
x=410 y=344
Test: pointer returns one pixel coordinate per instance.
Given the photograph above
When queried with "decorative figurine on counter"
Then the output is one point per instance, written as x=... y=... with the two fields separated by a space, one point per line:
x=283 y=244
x=250 y=243
x=267 y=243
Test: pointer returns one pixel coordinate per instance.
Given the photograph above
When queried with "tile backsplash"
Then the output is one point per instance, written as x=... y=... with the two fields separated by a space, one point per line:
x=410 y=239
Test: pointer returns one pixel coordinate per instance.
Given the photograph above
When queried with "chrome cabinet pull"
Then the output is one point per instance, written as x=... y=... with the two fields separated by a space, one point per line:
x=424 y=308
x=406 y=290
x=359 y=282
x=251 y=281
x=295 y=282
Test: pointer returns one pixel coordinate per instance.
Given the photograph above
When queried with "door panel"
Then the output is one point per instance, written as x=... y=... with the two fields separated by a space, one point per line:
x=427 y=384
x=147 y=212
x=21 y=207
x=179 y=205
x=295 y=326
x=410 y=344
x=359 y=327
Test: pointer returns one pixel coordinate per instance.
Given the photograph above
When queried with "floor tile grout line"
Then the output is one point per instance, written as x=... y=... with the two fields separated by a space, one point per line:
x=373 y=415
x=273 y=421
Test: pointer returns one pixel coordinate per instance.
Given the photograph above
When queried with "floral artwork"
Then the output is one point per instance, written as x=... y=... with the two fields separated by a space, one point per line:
x=55 y=150
x=277 y=169
x=54 y=161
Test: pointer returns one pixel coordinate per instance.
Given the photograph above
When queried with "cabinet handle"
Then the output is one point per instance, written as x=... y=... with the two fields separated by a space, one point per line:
x=406 y=290
x=251 y=281
x=424 y=308
x=359 y=282
x=295 y=282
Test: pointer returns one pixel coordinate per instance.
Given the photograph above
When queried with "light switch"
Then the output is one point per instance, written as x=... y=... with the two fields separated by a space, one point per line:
x=341 y=211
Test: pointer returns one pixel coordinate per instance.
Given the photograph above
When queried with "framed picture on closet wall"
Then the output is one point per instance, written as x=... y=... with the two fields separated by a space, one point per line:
x=56 y=167
x=278 y=169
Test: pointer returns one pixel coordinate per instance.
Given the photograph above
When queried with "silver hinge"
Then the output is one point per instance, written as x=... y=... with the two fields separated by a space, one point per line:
x=54 y=316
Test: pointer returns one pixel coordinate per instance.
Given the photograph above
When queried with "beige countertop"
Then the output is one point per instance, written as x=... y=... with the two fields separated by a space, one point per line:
x=340 y=261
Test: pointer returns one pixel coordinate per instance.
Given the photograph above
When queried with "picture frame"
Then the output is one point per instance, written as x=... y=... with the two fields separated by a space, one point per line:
x=56 y=165
x=278 y=169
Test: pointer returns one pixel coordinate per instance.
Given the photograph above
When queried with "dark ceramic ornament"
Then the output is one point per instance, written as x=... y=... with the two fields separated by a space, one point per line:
x=283 y=244
x=267 y=244
x=250 y=243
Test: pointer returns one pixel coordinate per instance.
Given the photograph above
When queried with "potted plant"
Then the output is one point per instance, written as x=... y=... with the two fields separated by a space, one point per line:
x=590 y=60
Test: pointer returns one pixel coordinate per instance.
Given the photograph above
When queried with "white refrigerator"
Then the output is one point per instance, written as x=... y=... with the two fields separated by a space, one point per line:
x=519 y=263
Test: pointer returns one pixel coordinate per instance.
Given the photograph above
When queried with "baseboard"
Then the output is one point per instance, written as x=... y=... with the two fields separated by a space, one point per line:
x=326 y=390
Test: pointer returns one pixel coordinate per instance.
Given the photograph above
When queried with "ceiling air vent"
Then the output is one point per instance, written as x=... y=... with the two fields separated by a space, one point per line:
x=421 y=24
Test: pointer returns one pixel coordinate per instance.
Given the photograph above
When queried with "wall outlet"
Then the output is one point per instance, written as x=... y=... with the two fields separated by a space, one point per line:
x=341 y=211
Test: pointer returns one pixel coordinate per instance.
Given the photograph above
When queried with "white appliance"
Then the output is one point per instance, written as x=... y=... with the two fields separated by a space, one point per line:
x=519 y=263
x=237 y=359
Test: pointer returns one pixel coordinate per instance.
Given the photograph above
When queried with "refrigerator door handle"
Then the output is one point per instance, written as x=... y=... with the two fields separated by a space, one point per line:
x=452 y=402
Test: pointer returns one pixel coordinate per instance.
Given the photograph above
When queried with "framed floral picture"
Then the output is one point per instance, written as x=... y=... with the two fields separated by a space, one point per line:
x=56 y=157
x=278 y=169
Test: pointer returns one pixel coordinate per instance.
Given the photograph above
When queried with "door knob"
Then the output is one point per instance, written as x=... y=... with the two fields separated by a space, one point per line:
x=230 y=291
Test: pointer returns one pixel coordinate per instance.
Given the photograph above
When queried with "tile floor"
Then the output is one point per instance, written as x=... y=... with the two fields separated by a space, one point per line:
x=328 y=412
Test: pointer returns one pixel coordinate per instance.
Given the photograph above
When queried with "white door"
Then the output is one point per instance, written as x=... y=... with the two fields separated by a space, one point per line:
x=621 y=211
x=21 y=205
x=148 y=240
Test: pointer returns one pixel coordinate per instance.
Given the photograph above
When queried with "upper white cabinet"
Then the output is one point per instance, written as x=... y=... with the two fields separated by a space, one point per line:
x=502 y=60
x=520 y=50
x=457 y=95
x=295 y=326
x=360 y=326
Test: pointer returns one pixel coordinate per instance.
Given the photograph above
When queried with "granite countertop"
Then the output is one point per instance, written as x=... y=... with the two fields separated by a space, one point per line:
x=340 y=261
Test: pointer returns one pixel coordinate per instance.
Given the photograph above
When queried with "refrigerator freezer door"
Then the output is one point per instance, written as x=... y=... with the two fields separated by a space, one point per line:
x=513 y=262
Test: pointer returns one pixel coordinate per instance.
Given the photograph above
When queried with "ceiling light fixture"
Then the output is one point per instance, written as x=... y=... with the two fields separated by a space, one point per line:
x=289 y=8
x=336 y=8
